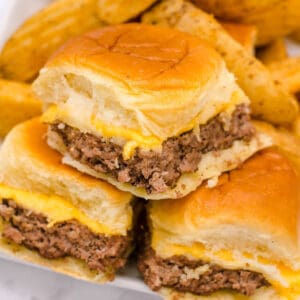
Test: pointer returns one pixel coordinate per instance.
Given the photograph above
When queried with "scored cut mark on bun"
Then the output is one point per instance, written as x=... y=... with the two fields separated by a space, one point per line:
x=134 y=89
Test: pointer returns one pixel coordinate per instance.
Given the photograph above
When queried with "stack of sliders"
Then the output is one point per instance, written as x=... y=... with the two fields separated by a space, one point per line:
x=156 y=113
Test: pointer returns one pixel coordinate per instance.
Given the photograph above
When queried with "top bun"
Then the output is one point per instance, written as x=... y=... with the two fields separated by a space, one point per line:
x=155 y=80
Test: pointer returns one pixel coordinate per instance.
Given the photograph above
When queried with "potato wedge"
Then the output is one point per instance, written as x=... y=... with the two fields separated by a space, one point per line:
x=244 y=34
x=284 y=139
x=119 y=11
x=269 y=99
x=273 y=18
x=296 y=127
x=17 y=104
x=287 y=71
x=273 y=52
x=31 y=45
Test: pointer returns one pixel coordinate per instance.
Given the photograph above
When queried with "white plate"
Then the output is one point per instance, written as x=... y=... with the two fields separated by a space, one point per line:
x=128 y=279
x=12 y=14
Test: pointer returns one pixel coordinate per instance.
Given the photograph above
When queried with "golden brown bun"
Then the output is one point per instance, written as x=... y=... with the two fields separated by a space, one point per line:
x=248 y=220
x=156 y=81
x=67 y=265
x=287 y=141
x=212 y=164
x=27 y=162
x=273 y=18
x=260 y=294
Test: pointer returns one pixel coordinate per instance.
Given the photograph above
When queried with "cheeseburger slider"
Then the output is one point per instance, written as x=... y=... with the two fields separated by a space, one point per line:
x=237 y=240
x=151 y=110
x=53 y=215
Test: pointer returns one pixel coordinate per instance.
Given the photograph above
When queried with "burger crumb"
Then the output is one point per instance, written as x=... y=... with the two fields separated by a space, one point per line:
x=212 y=182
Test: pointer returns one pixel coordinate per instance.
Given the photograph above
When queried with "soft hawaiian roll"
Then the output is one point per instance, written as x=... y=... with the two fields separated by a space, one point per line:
x=53 y=215
x=238 y=239
x=151 y=110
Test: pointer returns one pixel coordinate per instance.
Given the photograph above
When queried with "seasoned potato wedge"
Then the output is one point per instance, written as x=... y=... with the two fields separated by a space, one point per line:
x=287 y=71
x=284 y=139
x=119 y=11
x=273 y=18
x=17 y=104
x=270 y=99
x=296 y=127
x=275 y=51
x=244 y=34
x=31 y=45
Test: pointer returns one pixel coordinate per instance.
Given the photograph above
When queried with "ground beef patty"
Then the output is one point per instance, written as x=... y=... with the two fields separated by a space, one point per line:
x=193 y=276
x=68 y=238
x=156 y=171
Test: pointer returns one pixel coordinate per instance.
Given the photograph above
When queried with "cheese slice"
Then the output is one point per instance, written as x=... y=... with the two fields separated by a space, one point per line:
x=55 y=208
x=133 y=137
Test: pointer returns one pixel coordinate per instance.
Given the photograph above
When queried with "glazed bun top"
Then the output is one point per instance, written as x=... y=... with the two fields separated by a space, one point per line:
x=138 y=76
x=142 y=56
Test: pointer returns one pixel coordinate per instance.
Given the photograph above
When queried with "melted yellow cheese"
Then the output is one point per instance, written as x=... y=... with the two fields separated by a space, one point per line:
x=198 y=251
x=55 y=208
x=129 y=149
x=52 y=114
x=134 y=138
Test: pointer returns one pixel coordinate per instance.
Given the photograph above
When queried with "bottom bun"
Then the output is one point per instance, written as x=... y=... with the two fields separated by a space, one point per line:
x=265 y=293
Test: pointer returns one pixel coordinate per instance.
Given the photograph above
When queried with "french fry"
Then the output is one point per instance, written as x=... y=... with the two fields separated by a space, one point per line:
x=269 y=99
x=275 y=51
x=244 y=34
x=296 y=127
x=17 y=104
x=284 y=139
x=31 y=45
x=119 y=11
x=288 y=71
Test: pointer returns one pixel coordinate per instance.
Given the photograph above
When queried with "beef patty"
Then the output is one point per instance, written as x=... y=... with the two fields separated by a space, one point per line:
x=194 y=276
x=156 y=171
x=68 y=238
